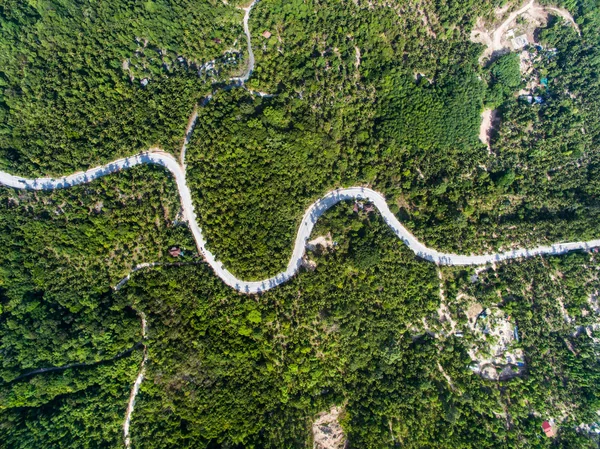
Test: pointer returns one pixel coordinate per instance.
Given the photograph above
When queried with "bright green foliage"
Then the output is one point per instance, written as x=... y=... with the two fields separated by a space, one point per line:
x=384 y=94
x=422 y=118
x=404 y=121
x=505 y=79
x=347 y=334
x=230 y=370
x=71 y=71
x=62 y=252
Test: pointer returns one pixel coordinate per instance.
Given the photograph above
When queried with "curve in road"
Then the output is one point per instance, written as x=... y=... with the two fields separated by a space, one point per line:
x=309 y=219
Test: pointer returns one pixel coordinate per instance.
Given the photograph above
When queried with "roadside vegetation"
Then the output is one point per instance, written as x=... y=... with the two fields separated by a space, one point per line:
x=253 y=371
x=83 y=83
x=384 y=94
x=62 y=252
x=359 y=328
x=404 y=119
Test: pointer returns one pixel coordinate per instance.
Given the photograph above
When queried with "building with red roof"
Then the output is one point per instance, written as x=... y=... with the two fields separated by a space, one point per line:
x=548 y=429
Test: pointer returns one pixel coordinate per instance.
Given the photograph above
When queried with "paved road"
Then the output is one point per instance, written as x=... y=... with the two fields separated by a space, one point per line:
x=311 y=216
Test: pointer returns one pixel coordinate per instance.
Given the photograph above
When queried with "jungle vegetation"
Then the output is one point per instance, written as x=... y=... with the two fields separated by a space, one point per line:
x=383 y=94
x=401 y=116
x=73 y=76
x=389 y=99
x=358 y=330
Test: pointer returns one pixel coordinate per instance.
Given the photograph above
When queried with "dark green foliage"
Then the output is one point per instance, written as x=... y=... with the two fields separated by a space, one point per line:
x=562 y=363
x=228 y=370
x=70 y=74
x=505 y=79
x=384 y=95
x=84 y=408
x=62 y=252
x=217 y=377
x=404 y=121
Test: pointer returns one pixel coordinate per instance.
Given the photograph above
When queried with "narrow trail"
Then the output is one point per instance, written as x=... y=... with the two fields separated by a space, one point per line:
x=138 y=267
x=156 y=157
x=136 y=387
x=145 y=265
x=307 y=224
x=250 y=68
x=567 y=16
x=234 y=82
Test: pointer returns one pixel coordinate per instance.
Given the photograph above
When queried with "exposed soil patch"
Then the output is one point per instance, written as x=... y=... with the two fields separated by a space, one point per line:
x=309 y=264
x=327 y=432
x=498 y=39
x=487 y=119
x=357 y=56
x=473 y=312
x=323 y=242
x=494 y=356
x=425 y=20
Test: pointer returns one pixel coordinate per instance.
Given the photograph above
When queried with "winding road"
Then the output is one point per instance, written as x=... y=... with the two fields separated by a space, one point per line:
x=312 y=214
x=309 y=219
x=177 y=169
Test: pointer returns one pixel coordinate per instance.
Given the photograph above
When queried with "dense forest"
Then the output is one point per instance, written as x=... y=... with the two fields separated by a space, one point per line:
x=351 y=333
x=382 y=94
x=62 y=252
x=78 y=408
x=379 y=101
x=83 y=82
x=390 y=99
x=360 y=329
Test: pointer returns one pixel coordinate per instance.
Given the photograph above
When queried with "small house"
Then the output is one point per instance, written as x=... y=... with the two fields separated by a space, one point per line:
x=175 y=251
x=549 y=429
x=266 y=34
